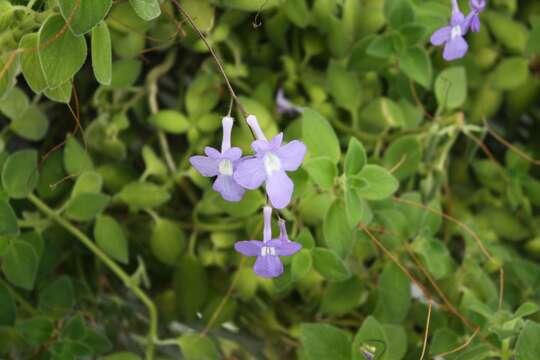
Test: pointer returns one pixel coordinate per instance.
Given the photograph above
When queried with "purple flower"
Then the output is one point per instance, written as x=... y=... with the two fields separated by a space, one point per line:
x=285 y=106
x=268 y=251
x=269 y=164
x=222 y=164
x=451 y=36
x=477 y=6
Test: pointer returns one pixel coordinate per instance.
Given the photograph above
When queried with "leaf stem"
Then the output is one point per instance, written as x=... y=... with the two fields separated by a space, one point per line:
x=114 y=267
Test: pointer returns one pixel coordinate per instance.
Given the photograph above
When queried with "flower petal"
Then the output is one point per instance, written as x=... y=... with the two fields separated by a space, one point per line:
x=232 y=154
x=249 y=247
x=228 y=188
x=207 y=166
x=260 y=146
x=276 y=141
x=211 y=152
x=268 y=266
x=279 y=189
x=250 y=173
x=291 y=155
x=455 y=48
x=440 y=36
x=284 y=247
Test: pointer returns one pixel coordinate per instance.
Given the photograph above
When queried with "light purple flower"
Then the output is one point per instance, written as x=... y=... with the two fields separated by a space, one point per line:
x=473 y=19
x=452 y=35
x=222 y=164
x=269 y=164
x=268 y=251
x=285 y=106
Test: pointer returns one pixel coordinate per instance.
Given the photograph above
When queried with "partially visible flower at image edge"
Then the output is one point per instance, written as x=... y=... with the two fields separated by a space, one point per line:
x=269 y=164
x=452 y=35
x=268 y=264
x=222 y=164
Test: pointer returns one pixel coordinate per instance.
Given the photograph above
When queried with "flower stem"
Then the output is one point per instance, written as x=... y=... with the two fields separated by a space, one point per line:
x=212 y=52
x=114 y=267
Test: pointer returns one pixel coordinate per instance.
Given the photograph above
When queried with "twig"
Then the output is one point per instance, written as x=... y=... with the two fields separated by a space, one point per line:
x=213 y=53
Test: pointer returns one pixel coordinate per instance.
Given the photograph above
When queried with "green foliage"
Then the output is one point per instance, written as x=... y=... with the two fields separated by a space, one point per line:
x=113 y=247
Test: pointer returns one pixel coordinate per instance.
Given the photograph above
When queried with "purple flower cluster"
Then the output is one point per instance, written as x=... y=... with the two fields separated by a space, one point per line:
x=452 y=36
x=269 y=164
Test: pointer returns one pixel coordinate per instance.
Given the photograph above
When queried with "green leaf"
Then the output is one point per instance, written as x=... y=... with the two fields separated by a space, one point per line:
x=83 y=15
x=301 y=264
x=143 y=195
x=36 y=331
x=402 y=13
x=329 y=265
x=342 y=297
x=61 y=94
x=170 y=121
x=52 y=172
x=533 y=45
x=190 y=286
x=111 y=238
x=20 y=174
x=8 y=308
x=146 y=9
x=86 y=206
x=125 y=73
x=509 y=33
x=167 y=241
x=377 y=183
x=8 y=66
x=30 y=124
x=337 y=233
x=198 y=347
x=200 y=98
x=322 y=170
x=101 y=53
x=526 y=309
x=202 y=13
x=74 y=329
x=435 y=255
x=97 y=342
x=58 y=296
x=8 y=219
x=76 y=159
x=87 y=182
x=35 y=240
x=14 y=103
x=20 y=264
x=416 y=64
x=527 y=346
x=31 y=67
x=511 y=73
x=356 y=208
x=383 y=113
x=153 y=164
x=356 y=157
x=319 y=136
x=371 y=335
x=394 y=295
x=323 y=341
x=344 y=86
x=451 y=87
x=61 y=56
x=405 y=154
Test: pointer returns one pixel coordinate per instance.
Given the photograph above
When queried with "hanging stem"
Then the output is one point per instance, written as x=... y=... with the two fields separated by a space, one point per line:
x=213 y=53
